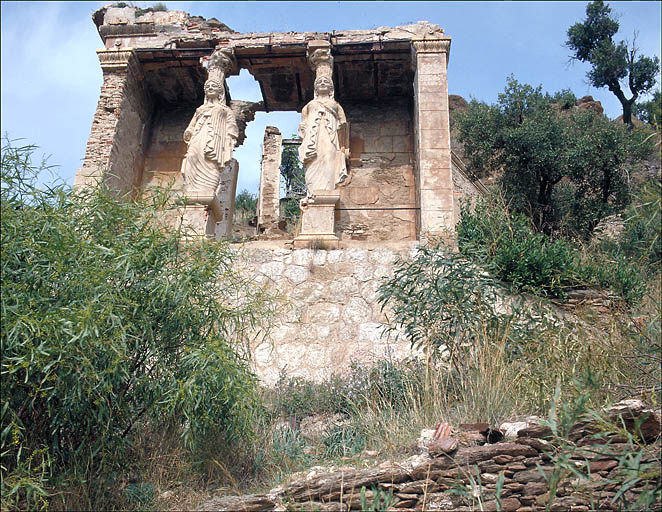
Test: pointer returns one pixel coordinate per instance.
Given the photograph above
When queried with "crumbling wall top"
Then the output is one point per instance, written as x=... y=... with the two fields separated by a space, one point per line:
x=149 y=28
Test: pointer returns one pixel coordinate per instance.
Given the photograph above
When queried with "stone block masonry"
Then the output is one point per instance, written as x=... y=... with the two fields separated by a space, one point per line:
x=378 y=202
x=331 y=315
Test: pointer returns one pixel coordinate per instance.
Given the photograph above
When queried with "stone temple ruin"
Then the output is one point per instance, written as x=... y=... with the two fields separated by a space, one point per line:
x=380 y=173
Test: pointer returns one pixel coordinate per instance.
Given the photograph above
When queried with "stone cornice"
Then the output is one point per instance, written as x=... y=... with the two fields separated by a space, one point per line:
x=117 y=60
x=431 y=45
x=440 y=45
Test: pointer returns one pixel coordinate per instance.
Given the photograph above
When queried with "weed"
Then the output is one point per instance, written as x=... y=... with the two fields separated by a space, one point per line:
x=343 y=441
x=381 y=500
x=140 y=495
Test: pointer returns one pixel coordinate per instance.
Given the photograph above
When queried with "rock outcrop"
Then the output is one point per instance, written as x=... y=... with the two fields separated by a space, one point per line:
x=587 y=102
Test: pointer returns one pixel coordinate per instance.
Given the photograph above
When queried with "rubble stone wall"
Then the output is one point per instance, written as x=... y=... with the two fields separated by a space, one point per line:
x=115 y=148
x=382 y=175
x=268 y=199
x=330 y=315
x=511 y=476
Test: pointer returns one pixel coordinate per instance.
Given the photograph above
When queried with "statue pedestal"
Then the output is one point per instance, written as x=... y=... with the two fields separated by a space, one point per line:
x=211 y=215
x=200 y=216
x=318 y=218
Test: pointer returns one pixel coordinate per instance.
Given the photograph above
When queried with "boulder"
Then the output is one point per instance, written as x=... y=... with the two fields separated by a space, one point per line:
x=633 y=410
x=587 y=102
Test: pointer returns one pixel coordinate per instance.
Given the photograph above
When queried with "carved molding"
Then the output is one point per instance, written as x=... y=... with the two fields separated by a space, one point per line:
x=430 y=46
x=116 y=59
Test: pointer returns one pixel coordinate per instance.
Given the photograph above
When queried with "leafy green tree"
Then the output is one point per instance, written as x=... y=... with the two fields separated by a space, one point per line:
x=597 y=154
x=650 y=111
x=110 y=320
x=612 y=63
x=554 y=163
x=292 y=171
x=245 y=205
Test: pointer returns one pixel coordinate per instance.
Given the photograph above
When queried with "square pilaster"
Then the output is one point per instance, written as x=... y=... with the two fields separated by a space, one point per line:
x=434 y=183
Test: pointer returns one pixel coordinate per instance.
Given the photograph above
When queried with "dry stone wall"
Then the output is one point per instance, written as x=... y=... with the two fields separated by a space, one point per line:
x=330 y=315
x=512 y=476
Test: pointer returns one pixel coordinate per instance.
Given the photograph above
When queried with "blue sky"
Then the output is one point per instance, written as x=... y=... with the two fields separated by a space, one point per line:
x=51 y=76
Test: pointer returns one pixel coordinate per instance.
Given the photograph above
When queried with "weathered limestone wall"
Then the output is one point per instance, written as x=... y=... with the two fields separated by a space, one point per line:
x=120 y=128
x=331 y=315
x=166 y=148
x=378 y=203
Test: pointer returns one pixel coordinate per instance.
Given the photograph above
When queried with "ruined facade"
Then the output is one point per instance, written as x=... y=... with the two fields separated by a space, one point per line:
x=396 y=182
x=391 y=83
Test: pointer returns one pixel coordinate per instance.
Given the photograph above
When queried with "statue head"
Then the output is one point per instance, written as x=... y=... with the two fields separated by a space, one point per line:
x=214 y=90
x=324 y=86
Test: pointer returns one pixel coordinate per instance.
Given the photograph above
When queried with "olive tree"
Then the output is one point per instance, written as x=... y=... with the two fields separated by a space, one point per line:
x=555 y=164
x=613 y=64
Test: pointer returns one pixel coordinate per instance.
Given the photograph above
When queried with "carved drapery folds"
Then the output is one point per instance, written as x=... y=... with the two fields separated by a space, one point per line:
x=211 y=135
x=325 y=145
x=324 y=150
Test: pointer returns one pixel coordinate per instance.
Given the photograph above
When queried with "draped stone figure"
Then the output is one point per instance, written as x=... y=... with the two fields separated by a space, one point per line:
x=325 y=138
x=211 y=137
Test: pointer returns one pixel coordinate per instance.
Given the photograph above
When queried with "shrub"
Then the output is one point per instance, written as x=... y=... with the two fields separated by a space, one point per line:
x=642 y=237
x=110 y=321
x=443 y=302
x=507 y=246
x=300 y=397
x=245 y=206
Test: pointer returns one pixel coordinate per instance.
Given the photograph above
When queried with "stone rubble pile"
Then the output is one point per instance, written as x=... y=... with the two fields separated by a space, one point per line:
x=508 y=476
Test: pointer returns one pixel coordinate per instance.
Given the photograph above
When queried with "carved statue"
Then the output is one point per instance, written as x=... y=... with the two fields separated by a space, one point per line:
x=325 y=146
x=211 y=136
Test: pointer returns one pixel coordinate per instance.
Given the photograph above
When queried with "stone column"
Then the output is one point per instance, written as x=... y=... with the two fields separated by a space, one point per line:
x=115 y=149
x=268 y=200
x=434 y=184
